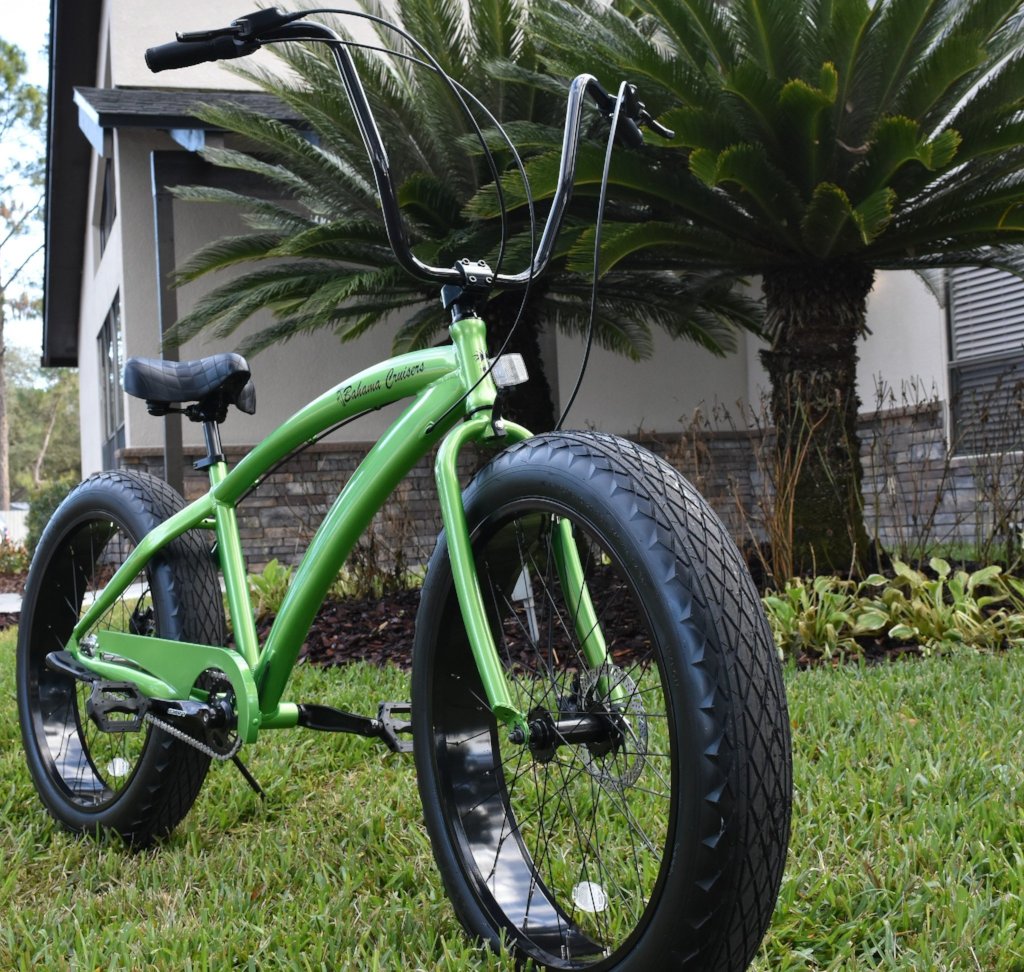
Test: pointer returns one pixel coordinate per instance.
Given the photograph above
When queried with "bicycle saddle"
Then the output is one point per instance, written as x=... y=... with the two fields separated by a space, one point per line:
x=214 y=382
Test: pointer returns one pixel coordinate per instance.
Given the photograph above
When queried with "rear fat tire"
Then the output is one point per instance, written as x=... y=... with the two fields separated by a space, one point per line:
x=721 y=828
x=139 y=785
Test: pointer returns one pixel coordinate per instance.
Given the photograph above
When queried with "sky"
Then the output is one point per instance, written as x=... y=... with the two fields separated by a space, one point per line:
x=28 y=28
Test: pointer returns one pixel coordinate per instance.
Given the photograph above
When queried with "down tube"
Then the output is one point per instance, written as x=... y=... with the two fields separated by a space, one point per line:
x=406 y=442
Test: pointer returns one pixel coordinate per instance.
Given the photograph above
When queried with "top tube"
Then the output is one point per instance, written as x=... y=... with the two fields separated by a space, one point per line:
x=379 y=385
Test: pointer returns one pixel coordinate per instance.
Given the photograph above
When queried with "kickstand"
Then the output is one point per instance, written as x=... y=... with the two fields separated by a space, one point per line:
x=249 y=778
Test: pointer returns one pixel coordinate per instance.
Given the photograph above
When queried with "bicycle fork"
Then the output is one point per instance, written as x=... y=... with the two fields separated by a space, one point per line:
x=467 y=333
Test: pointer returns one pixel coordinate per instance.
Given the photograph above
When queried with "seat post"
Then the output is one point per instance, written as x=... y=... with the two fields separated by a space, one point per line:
x=214 y=450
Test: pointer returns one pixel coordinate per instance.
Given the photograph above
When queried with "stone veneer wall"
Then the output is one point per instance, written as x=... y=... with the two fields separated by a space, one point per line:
x=278 y=519
x=914 y=493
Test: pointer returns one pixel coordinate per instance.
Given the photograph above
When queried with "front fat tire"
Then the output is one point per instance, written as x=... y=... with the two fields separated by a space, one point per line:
x=137 y=784
x=686 y=632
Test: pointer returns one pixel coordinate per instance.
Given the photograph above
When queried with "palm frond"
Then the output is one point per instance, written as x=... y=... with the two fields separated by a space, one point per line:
x=701 y=30
x=772 y=35
x=226 y=252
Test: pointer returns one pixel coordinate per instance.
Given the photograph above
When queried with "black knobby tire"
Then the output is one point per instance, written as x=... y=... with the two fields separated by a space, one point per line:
x=658 y=841
x=138 y=784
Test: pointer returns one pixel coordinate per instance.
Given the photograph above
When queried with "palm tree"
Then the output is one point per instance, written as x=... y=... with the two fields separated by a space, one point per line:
x=818 y=141
x=326 y=263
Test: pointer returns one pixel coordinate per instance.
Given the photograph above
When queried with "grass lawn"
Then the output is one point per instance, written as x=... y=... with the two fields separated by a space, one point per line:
x=907 y=848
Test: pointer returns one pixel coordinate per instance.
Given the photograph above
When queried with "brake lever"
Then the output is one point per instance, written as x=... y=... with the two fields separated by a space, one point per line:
x=637 y=112
x=191 y=36
x=245 y=27
x=656 y=127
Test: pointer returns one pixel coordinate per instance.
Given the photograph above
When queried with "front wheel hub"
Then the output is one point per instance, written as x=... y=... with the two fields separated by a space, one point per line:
x=577 y=728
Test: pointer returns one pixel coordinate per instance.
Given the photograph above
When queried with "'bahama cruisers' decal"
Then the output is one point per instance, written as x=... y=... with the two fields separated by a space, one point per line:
x=353 y=392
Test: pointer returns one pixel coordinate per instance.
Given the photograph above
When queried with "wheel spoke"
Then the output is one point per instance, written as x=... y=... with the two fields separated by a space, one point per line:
x=585 y=824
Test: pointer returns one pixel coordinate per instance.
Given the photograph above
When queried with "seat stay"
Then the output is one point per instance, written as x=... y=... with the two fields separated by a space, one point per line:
x=196 y=514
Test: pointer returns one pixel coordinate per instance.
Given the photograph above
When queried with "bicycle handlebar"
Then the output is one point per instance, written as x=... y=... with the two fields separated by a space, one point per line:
x=246 y=34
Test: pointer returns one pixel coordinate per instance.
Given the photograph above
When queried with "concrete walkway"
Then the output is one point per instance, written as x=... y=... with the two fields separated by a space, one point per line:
x=10 y=603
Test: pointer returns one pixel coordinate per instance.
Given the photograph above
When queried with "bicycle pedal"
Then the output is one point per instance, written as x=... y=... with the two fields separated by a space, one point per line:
x=117 y=706
x=64 y=662
x=391 y=726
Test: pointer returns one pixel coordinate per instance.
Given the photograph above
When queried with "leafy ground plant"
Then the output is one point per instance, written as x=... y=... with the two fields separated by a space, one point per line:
x=268 y=588
x=14 y=557
x=929 y=612
x=943 y=611
x=816 y=615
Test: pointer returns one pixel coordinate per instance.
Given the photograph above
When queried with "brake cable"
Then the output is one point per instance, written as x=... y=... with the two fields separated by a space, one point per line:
x=431 y=62
x=602 y=198
x=458 y=90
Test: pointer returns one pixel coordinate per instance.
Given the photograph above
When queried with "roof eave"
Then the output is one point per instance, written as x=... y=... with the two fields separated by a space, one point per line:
x=74 y=35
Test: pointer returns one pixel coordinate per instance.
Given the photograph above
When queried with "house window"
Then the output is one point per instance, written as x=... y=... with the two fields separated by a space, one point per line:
x=986 y=324
x=111 y=360
x=108 y=204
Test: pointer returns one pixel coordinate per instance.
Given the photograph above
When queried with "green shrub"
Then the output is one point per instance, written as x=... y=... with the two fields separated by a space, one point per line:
x=818 y=616
x=940 y=613
x=268 y=588
x=43 y=502
x=14 y=557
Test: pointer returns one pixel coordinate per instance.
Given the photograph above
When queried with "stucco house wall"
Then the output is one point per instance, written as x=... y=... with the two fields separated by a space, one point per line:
x=907 y=345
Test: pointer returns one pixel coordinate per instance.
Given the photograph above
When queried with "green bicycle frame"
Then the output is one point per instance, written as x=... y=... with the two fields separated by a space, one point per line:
x=437 y=380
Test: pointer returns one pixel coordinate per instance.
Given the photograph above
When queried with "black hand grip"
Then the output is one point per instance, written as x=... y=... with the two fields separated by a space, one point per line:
x=178 y=54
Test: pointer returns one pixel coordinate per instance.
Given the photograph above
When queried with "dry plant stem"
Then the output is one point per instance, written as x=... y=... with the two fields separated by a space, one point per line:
x=934 y=491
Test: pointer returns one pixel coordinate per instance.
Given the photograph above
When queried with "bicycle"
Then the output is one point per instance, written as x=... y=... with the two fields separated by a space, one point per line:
x=598 y=718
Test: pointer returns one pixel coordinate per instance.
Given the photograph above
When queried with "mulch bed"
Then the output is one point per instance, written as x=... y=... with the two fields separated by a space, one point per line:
x=376 y=630
x=12 y=583
x=380 y=630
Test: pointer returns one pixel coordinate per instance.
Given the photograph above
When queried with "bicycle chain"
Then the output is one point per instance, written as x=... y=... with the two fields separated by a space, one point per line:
x=192 y=741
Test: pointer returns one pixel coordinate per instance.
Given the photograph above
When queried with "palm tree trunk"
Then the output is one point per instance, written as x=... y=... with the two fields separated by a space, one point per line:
x=529 y=404
x=816 y=316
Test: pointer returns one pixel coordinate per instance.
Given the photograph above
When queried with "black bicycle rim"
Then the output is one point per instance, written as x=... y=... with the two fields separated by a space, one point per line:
x=565 y=842
x=90 y=767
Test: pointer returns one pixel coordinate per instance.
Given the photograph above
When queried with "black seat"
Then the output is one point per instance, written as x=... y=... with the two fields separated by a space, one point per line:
x=214 y=382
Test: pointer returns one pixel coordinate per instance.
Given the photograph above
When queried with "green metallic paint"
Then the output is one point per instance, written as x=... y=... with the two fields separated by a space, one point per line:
x=373 y=388
x=172 y=668
x=437 y=379
x=232 y=564
x=570 y=575
x=390 y=459
x=464 y=576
